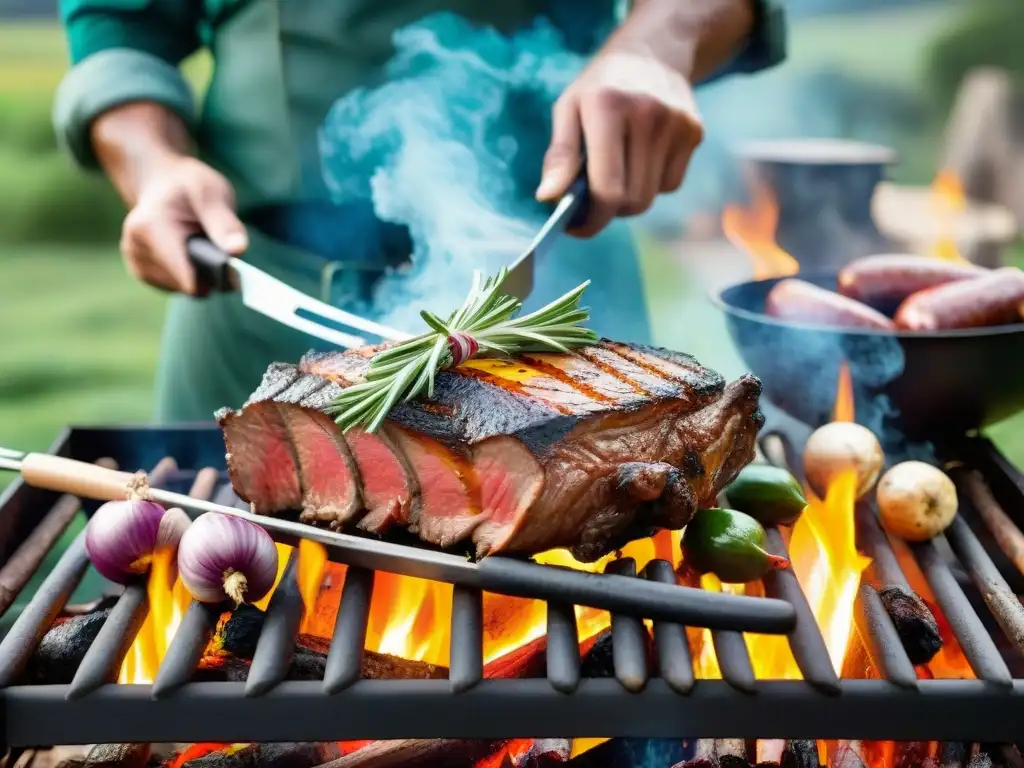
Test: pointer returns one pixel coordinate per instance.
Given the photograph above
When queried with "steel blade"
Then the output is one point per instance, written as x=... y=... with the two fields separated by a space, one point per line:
x=275 y=299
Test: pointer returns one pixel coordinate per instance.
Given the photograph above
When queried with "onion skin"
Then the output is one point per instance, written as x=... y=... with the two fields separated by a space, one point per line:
x=123 y=535
x=841 y=446
x=916 y=501
x=222 y=557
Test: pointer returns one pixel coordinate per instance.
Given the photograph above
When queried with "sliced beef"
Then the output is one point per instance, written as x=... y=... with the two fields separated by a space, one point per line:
x=327 y=473
x=261 y=459
x=586 y=450
x=389 y=486
x=449 y=505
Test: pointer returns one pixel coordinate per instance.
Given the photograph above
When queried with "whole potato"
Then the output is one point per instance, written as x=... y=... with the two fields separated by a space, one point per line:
x=841 y=446
x=916 y=501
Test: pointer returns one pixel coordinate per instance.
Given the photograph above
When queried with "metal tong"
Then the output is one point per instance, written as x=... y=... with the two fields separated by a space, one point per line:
x=624 y=595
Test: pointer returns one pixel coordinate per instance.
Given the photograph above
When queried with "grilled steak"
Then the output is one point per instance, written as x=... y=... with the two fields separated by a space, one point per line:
x=585 y=451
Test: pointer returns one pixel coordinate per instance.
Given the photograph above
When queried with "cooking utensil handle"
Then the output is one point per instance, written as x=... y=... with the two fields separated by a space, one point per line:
x=210 y=264
x=580 y=189
x=87 y=481
x=638 y=597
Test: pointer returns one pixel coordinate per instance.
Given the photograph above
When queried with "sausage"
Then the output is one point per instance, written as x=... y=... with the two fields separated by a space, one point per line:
x=800 y=301
x=884 y=281
x=991 y=299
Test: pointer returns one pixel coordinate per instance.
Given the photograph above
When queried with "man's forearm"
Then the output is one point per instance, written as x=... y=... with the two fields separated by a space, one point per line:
x=133 y=141
x=694 y=37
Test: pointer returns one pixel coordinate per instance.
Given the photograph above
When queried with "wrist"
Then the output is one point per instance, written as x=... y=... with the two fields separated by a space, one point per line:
x=693 y=38
x=137 y=144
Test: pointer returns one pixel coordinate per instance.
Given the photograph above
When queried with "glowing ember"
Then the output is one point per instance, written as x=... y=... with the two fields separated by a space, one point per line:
x=168 y=600
x=752 y=230
x=949 y=201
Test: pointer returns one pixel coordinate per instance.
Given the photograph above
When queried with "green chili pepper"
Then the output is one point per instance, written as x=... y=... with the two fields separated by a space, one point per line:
x=729 y=544
x=768 y=494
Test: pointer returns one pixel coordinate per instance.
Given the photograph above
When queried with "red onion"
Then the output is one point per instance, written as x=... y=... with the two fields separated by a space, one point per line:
x=123 y=535
x=220 y=557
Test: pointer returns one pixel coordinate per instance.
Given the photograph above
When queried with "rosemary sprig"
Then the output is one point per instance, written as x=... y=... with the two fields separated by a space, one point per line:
x=486 y=323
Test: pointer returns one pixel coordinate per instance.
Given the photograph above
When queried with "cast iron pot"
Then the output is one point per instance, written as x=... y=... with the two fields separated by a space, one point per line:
x=929 y=385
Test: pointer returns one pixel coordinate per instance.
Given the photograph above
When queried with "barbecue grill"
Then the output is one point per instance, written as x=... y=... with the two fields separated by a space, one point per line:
x=638 y=699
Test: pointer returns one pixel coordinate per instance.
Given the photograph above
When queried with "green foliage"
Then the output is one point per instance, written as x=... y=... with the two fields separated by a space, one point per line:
x=990 y=34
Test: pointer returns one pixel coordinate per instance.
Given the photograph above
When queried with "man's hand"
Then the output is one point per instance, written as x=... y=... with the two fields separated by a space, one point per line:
x=185 y=198
x=633 y=106
x=639 y=123
x=144 y=148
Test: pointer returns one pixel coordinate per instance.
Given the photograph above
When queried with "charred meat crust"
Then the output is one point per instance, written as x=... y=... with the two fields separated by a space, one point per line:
x=585 y=451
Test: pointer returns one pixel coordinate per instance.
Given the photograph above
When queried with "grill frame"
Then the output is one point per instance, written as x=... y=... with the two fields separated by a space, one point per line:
x=637 y=704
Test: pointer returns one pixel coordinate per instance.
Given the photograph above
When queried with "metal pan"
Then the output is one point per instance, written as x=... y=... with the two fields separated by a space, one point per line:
x=929 y=385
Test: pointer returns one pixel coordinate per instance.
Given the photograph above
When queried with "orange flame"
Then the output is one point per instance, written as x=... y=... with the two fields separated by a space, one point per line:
x=405 y=613
x=752 y=230
x=949 y=201
x=168 y=600
x=842 y=409
x=825 y=560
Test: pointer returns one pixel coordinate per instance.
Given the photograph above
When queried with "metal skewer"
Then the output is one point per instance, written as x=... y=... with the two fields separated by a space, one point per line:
x=503 y=575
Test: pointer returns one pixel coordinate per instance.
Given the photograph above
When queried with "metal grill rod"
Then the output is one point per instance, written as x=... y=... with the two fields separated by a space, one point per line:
x=629 y=638
x=499 y=574
x=675 y=662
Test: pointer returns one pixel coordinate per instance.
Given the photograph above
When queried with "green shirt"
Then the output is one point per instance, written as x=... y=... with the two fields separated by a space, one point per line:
x=279 y=66
x=129 y=50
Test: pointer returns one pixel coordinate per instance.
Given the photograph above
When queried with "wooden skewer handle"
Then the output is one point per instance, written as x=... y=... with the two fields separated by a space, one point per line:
x=88 y=481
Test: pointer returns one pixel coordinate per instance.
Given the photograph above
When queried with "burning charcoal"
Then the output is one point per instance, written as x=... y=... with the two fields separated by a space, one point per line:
x=240 y=631
x=915 y=624
x=910 y=754
x=284 y=755
x=235 y=640
x=598 y=661
x=113 y=756
x=769 y=752
x=118 y=756
x=953 y=754
x=980 y=760
x=62 y=649
x=100 y=604
x=847 y=755
x=800 y=754
x=731 y=753
x=308 y=664
x=417 y=753
x=540 y=753
x=703 y=756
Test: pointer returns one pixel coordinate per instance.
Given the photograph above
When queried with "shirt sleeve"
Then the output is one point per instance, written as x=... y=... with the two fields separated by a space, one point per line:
x=122 y=51
x=766 y=46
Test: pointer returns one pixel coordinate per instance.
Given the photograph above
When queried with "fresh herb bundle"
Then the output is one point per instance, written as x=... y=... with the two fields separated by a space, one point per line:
x=486 y=323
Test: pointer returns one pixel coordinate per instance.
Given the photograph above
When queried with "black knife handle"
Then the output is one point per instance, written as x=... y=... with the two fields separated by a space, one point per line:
x=581 y=189
x=210 y=264
x=638 y=597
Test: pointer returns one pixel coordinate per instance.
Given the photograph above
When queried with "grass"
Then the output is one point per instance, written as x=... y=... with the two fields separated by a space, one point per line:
x=81 y=344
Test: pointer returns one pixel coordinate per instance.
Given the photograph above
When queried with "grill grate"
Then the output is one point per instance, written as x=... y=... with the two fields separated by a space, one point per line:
x=639 y=701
